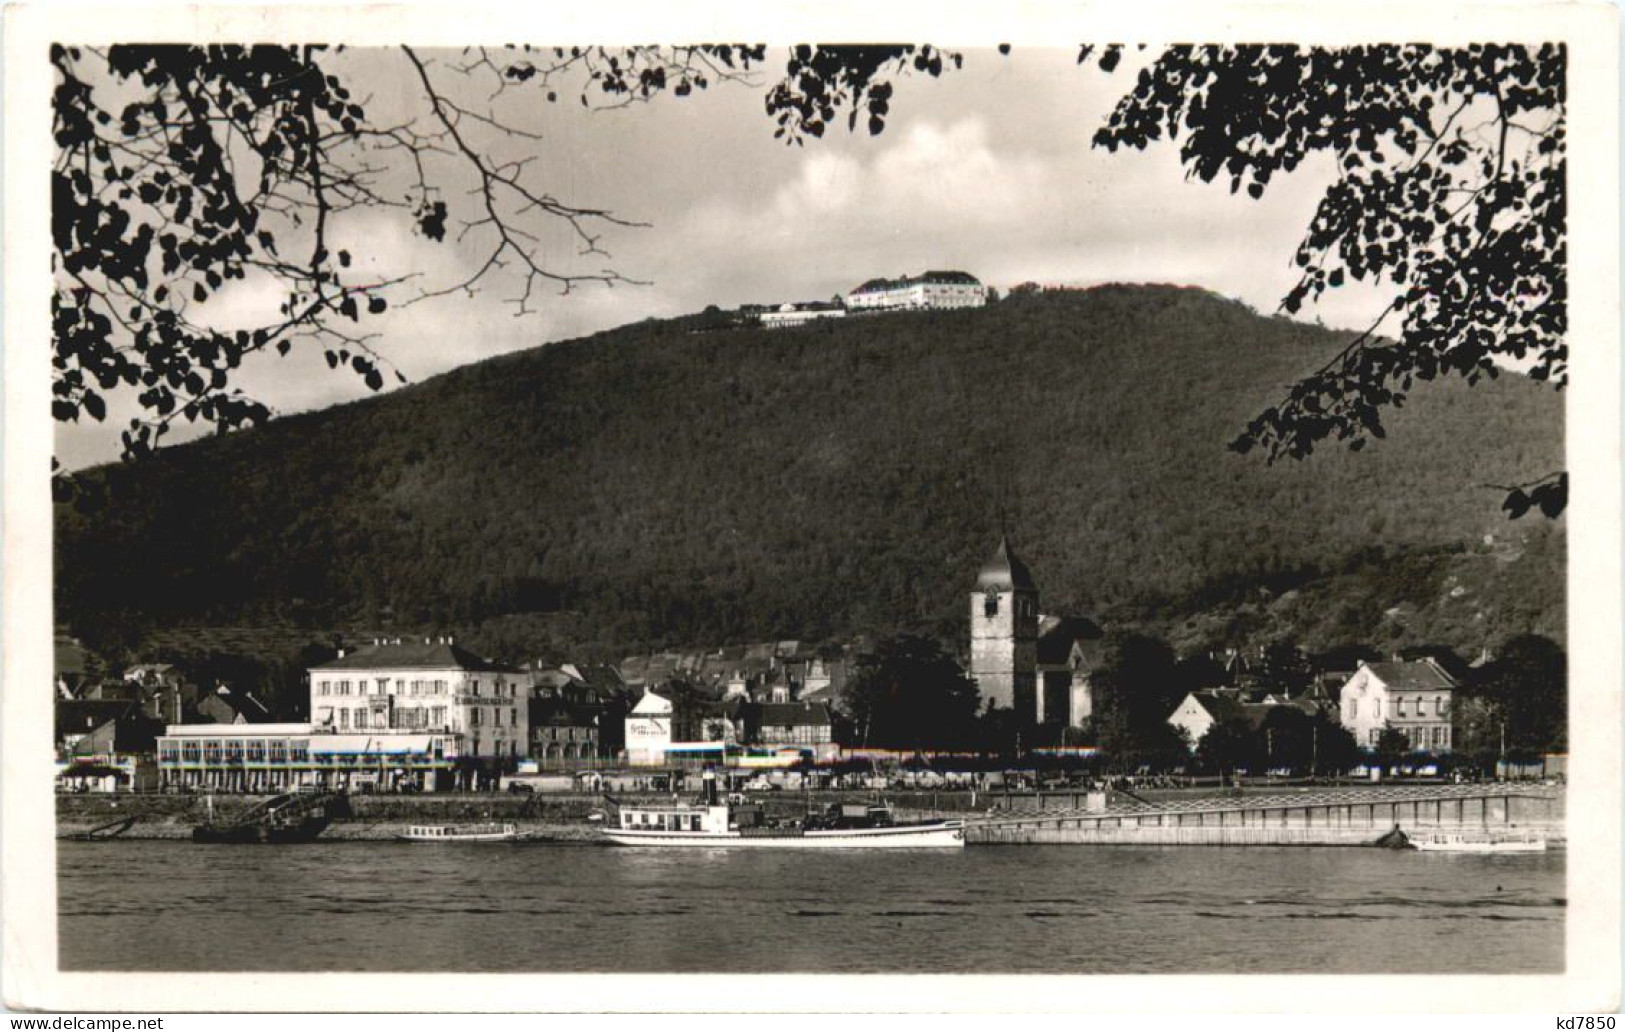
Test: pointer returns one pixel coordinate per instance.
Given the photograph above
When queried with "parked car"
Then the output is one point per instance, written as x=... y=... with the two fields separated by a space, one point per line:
x=520 y=788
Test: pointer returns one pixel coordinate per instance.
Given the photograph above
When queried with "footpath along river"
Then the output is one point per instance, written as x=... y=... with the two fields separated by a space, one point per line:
x=374 y=906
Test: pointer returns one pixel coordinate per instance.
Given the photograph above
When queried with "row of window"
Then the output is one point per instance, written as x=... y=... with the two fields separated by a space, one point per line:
x=234 y=751
x=662 y=821
x=802 y=734
x=420 y=686
x=1418 y=737
x=1417 y=707
x=551 y=734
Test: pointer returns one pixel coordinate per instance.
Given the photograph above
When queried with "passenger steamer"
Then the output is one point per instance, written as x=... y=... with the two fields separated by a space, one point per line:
x=712 y=823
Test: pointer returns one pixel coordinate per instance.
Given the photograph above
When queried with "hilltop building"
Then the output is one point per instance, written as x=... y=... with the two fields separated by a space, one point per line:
x=800 y=314
x=940 y=289
x=1037 y=665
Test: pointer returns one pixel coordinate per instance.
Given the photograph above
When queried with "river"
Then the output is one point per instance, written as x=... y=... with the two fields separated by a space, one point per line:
x=354 y=906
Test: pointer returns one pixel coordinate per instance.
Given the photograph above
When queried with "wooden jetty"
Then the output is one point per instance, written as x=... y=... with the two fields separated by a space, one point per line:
x=1327 y=817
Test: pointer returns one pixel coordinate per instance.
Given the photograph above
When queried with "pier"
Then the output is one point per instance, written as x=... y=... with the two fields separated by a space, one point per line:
x=1330 y=817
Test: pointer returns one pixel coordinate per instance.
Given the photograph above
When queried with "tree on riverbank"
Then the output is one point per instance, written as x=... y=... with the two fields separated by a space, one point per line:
x=1135 y=688
x=907 y=693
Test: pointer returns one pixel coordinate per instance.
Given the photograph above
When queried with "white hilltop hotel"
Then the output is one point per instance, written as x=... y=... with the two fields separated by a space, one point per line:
x=940 y=289
x=393 y=714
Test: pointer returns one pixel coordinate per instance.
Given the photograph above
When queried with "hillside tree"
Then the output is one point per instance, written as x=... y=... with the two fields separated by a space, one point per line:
x=1450 y=196
x=180 y=169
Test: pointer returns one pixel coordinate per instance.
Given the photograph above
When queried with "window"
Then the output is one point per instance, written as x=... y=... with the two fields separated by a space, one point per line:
x=1442 y=706
x=360 y=718
x=256 y=751
x=990 y=604
x=1354 y=708
x=1399 y=706
x=496 y=717
x=279 y=751
x=513 y=715
x=324 y=686
x=344 y=719
x=474 y=716
x=1374 y=733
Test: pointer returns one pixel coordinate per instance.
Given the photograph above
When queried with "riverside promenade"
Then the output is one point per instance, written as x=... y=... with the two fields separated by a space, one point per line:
x=1341 y=816
x=1330 y=817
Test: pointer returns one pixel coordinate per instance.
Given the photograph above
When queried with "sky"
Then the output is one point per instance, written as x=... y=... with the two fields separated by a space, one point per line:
x=988 y=169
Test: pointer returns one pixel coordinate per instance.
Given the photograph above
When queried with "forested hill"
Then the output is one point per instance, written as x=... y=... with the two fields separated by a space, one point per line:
x=659 y=485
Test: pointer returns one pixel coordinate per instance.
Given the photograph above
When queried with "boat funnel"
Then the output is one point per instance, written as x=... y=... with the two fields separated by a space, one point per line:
x=709 y=789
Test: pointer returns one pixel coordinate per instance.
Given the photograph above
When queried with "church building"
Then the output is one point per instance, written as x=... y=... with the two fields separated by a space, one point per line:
x=1037 y=665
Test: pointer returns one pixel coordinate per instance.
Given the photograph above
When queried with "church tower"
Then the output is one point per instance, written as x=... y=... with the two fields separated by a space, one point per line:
x=1004 y=634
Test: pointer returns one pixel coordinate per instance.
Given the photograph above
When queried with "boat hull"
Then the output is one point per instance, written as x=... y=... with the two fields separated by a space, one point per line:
x=260 y=834
x=1530 y=846
x=946 y=835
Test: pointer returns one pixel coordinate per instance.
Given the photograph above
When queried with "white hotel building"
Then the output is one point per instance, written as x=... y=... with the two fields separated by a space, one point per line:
x=392 y=713
x=942 y=289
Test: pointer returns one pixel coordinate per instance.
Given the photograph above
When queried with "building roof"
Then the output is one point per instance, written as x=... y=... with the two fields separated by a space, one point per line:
x=237 y=730
x=1226 y=706
x=1058 y=634
x=1004 y=572
x=793 y=714
x=1422 y=675
x=559 y=713
x=82 y=716
x=880 y=284
x=239 y=704
x=70 y=657
x=414 y=655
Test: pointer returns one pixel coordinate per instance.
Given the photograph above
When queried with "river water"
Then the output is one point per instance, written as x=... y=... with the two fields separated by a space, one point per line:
x=371 y=906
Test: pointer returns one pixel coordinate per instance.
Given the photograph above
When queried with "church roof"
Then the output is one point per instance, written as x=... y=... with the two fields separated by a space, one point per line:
x=1058 y=634
x=1004 y=572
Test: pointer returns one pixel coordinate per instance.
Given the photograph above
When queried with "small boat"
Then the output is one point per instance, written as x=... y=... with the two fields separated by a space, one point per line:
x=1456 y=842
x=712 y=822
x=460 y=833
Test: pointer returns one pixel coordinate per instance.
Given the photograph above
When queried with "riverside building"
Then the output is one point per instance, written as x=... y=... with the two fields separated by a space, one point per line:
x=392 y=715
